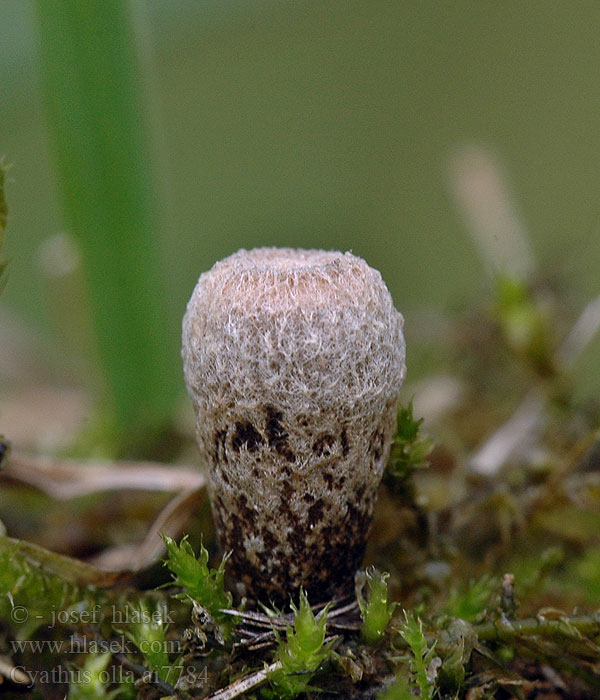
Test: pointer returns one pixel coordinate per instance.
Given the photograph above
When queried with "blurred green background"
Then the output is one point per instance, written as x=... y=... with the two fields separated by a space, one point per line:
x=329 y=124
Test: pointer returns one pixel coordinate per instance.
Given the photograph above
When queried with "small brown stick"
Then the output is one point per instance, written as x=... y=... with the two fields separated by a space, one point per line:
x=253 y=638
x=259 y=619
x=243 y=685
x=350 y=607
x=170 y=521
x=65 y=479
x=282 y=621
x=14 y=673
x=144 y=674
x=62 y=479
x=254 y=642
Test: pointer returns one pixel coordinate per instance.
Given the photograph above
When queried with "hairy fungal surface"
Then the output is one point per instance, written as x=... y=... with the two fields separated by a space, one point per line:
x=294 y=360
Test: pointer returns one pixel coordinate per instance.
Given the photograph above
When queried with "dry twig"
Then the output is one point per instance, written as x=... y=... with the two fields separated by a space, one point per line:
x=65 y=479
x=530 y=417
x=243 y=685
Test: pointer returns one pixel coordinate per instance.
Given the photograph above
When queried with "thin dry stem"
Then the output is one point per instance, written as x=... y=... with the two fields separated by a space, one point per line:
x=66 y=479
x=530 y=417
x=243 y=685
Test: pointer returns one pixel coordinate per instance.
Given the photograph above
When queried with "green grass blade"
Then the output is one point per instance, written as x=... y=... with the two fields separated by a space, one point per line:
x=96 y=118
x=3 y=220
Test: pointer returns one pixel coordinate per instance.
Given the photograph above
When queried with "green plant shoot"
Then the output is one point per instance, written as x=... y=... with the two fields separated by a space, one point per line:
x=205 y=586
x=147 y=631
x=524 y=323
x=376 y=611
x=33 y=585
x=88 y=682
x=410 y=448
x=411 y=630
x=399 y=690
x=469 y=602
x=302 y=652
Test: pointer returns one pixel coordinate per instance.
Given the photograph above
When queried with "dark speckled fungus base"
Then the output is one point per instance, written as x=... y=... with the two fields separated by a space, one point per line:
x=294 y=360
x=313 y=528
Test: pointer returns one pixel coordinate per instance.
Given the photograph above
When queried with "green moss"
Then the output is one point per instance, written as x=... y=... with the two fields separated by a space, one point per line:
x=301 y=653
x=204 y=585
x=376 y=611
x=422 y=653
x=410 y=447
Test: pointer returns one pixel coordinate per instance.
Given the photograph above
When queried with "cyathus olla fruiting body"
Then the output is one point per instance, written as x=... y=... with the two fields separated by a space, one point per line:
x=294 y=360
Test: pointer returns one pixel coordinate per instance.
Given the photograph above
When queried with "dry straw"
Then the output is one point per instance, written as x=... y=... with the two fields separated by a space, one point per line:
x=294 y=360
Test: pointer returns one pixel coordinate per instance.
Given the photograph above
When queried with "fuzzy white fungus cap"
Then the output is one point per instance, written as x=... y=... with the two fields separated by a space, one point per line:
x=294 y=360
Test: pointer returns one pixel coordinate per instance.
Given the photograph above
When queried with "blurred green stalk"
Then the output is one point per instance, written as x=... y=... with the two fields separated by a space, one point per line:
x=95 y=111
x=3 y=219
